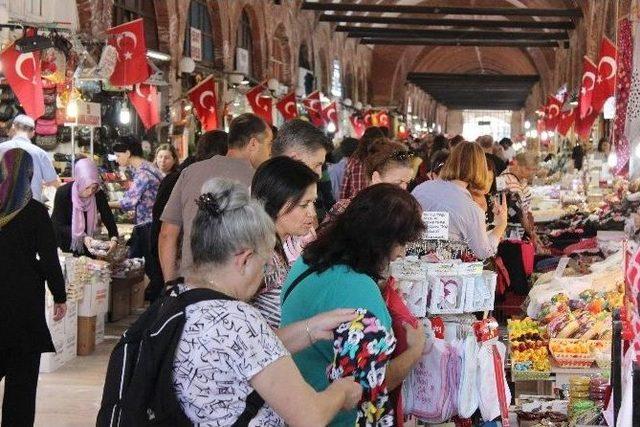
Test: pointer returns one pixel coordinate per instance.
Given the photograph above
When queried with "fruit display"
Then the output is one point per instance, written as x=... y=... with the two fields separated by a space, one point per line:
x=576 y=353
x=587 y=317
x=528 y=346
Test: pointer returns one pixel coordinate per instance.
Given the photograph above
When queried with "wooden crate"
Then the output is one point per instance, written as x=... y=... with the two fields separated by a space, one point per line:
x=86 y=335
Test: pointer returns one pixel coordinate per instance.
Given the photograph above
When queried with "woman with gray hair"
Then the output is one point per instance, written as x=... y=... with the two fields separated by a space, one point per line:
x=227 y=349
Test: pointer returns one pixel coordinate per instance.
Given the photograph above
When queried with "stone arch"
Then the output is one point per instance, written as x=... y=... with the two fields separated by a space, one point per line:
x=280 y=58
x=257 y=38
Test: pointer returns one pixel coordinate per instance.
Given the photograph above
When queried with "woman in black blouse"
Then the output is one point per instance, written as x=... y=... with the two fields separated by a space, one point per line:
x=76 y=206
x=28 y=258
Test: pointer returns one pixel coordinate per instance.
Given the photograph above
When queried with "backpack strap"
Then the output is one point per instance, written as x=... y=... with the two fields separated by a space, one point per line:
x=296 y=282
x=253 y=404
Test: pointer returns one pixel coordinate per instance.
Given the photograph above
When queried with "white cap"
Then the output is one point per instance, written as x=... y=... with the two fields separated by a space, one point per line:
x=24 y=120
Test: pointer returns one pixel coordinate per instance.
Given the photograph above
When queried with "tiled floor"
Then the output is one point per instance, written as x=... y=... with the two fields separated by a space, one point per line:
x=70 y=396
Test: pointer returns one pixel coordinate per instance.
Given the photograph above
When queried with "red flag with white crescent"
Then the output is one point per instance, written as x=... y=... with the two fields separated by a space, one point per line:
x=589 y=70
x=23 y=73
x=313 y=106
x=606 y=75
x=552 y=112
x=261 y=104
x=330 y=114
x=567 y=118
x=383 y=119
x=131 y=66
x=146 y=100
x=205 y=103
x=368 y=118
x=357 y=123
x=288 y=107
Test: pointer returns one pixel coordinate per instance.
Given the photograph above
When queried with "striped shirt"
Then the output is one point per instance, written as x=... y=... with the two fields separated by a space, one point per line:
x=267 y=300
x=522 y=192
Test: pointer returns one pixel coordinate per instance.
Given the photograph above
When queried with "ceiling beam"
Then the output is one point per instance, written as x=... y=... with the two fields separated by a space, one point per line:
x=495 y=11
x=461 y=42
x=448 y=34
x=464 y=23
x=487 y=78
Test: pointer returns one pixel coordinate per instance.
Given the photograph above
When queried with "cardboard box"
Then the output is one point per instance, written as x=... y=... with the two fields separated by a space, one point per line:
x=86 y=335
x=63 y=334
x=94 y=300
x=100 y=319
x=120 y=300
x=137 y=295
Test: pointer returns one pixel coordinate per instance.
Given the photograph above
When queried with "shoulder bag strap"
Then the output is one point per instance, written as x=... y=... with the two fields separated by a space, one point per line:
x=296 y=282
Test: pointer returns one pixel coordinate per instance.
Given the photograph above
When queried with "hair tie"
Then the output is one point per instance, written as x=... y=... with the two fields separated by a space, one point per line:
x=207 y=202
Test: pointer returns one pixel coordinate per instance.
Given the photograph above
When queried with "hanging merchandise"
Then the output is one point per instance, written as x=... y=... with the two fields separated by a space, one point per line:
x=383 y=119
x=53 y=65
x=146 y=100
x=204 y=100
x=131 y=65
x=22 y=71
x=287 y=107
x=261 y=104
x=108 y=61
x=623 y=86
x=313 y=106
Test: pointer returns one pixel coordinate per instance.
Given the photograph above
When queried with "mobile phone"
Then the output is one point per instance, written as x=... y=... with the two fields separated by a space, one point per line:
x=501 y=184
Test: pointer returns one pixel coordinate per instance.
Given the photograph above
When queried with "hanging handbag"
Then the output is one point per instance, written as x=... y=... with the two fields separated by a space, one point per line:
x=46 y=127
x=8 y=111
x=49 y=112
x=46 y=142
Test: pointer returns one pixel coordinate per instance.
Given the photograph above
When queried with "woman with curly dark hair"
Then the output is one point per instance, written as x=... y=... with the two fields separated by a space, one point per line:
x=341 y=269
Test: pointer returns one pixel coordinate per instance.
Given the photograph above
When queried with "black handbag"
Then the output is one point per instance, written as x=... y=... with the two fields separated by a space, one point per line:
x=46 y=142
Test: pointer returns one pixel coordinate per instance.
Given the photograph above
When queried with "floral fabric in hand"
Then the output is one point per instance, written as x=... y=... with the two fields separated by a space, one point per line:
x=362 y=348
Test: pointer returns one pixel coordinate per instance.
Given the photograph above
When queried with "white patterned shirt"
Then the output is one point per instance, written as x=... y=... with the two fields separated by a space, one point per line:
x=223 y=345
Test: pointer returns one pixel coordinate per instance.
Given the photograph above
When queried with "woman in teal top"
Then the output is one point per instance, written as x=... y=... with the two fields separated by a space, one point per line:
x=342 y=268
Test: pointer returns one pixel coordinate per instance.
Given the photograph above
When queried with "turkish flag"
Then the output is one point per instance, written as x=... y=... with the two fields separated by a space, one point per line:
x=22 y=71
x=606 y=76
x=368 y=118
x=314 y=108
x=330 y=114
x=288 y=107
x=357 y=123
x=262 y=105
x=131 y=66
x=566 y=121
x=146 y=100
x=383 y=119
x=584 y=124
x=552 y=112
x=589 y=70
x=204 y=100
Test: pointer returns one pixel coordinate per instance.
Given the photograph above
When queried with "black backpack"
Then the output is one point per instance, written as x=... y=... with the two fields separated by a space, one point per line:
x=138 y=389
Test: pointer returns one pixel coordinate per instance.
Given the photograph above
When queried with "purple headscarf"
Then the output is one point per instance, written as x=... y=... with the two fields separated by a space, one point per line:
x=86 y=175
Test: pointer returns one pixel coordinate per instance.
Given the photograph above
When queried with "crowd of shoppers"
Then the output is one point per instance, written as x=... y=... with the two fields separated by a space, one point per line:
x=254 y=217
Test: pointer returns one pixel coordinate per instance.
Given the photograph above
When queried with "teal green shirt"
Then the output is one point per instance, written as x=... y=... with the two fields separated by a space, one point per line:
x=338 y=287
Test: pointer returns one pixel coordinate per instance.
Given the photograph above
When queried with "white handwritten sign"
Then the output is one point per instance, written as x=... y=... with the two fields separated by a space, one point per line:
x=562 y=265
x=437 y=225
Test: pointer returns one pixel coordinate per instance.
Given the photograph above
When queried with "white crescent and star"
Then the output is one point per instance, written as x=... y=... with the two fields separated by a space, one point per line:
x=554 y=107
x=293 y=108
x=612 y=63
x=588 y=76
x=21 y=59
x=204 y=96
x=130 y=35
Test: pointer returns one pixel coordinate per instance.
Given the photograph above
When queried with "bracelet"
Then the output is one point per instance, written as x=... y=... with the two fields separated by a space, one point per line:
x=308 y=332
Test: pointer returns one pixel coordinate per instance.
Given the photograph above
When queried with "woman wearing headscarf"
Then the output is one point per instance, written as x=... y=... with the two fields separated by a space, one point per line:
x=76 y=208
x=28 y=240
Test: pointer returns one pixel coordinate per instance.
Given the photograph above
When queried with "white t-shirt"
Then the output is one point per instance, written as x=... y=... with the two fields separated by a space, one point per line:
x=43 y=170
x=223 y=345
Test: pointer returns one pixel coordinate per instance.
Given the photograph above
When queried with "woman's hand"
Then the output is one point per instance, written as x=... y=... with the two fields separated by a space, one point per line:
x=322 y=325
x=59 y=310
x=351 y=389
x=415 y=338
x=500 y=210
x=113 y=244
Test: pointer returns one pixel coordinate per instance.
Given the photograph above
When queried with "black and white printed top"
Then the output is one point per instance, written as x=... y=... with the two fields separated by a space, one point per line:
x=223 y=345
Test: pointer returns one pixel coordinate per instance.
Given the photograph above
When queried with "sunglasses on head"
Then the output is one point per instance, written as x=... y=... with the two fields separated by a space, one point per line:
x=401 y=155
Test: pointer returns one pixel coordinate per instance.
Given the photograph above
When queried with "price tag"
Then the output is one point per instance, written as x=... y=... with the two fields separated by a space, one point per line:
x=470 y=269
x=437 y=225
x=562 y=265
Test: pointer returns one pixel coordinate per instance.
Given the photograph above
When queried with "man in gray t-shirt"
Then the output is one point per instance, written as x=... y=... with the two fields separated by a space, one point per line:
x=43 y=171
x=249 y=145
